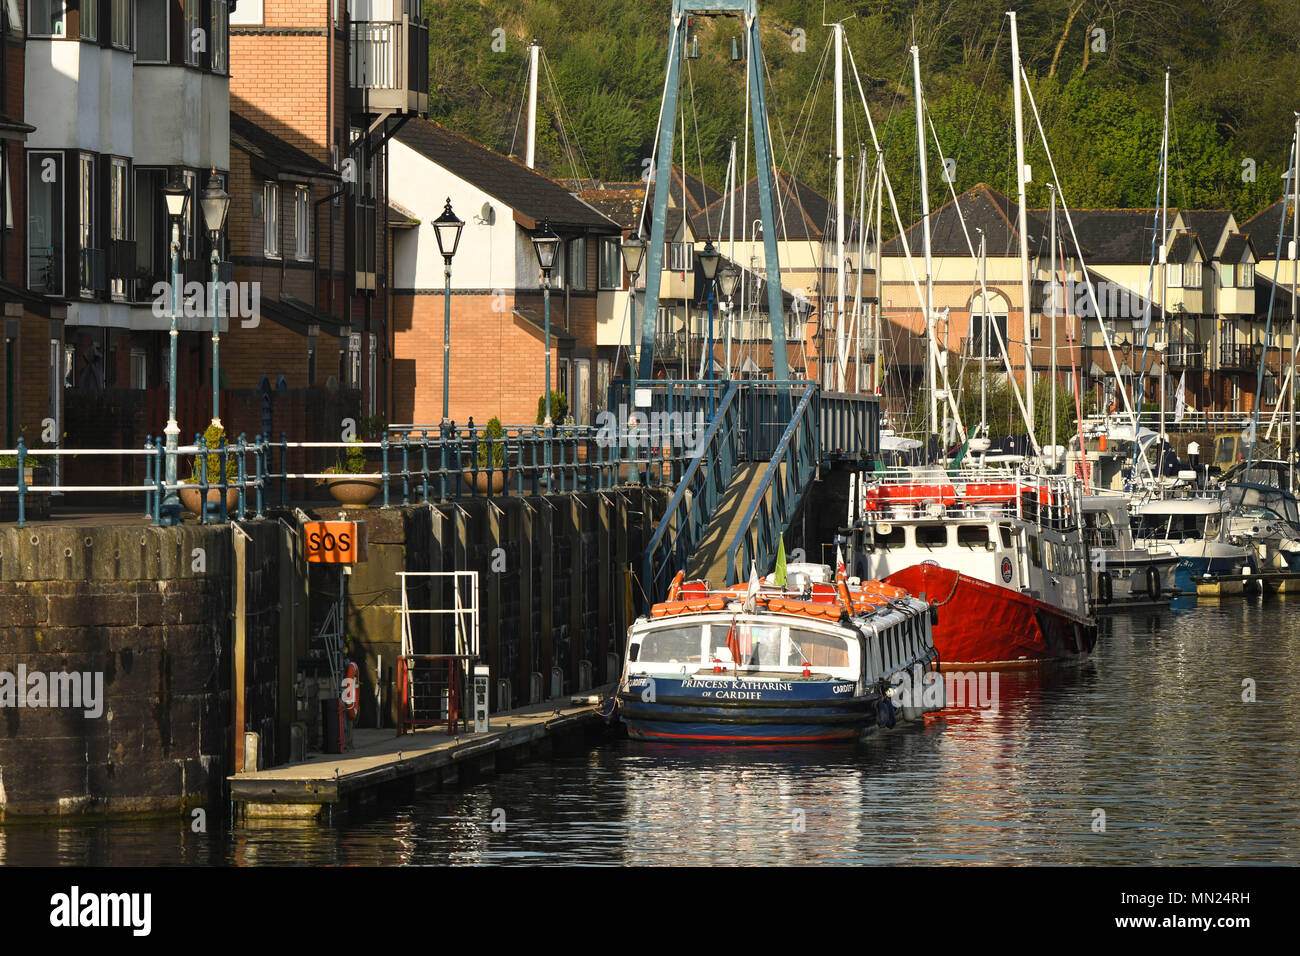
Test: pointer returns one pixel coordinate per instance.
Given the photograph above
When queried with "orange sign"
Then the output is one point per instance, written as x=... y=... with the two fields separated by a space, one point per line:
x=335 y=542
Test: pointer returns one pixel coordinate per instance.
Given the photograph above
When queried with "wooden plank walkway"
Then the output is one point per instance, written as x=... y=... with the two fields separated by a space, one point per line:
x=380 y=760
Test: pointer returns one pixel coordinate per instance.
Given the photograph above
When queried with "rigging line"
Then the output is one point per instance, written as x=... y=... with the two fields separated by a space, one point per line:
x=1078 y=249
x=1002 y=24
x=819 y=77
x=565 y=122
x=654 y=146
x=523 y=98
x=695 y=118
x=970 y=246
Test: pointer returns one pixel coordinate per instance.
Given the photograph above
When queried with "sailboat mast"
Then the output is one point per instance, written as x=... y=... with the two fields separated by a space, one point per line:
x=984 y=333
x=839 y=205
x=878 y=364
x=1164 y=268
x=1295 y=264
x=1022 y=219
x=1052 y=318
x=731 y=245
x=531 y=155
x=931 y=358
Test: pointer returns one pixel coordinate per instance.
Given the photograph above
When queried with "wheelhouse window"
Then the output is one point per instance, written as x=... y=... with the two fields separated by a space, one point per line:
x=271 y=220
x=45 y=247
x=673 y=645
x=155 y=23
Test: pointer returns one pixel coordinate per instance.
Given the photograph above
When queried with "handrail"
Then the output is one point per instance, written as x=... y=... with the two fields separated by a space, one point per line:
x=705 y=480
x=776 y=500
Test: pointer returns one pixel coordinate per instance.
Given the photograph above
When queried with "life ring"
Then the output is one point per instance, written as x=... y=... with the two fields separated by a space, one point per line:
x=1105 y=588
x=675 y=589
x=353 y=706
x=1153 y=583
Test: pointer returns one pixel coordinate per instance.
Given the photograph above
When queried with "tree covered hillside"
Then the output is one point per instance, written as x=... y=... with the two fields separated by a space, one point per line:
x=1096 y=68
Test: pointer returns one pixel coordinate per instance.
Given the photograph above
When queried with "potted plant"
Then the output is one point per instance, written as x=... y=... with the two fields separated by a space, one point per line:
x=490 y=454
x=192 y=497
x=559 y=407
x=351 y=482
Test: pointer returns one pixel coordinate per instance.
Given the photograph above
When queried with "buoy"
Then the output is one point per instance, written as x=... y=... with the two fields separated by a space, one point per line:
x=352 y=699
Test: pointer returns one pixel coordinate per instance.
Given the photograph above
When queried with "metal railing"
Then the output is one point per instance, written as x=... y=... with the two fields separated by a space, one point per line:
x=791 y=467
x=697 y=497
x=433 y=687
x=1050 y=501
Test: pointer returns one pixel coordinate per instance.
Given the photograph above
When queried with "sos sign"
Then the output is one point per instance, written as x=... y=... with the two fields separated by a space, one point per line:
x=335 y=542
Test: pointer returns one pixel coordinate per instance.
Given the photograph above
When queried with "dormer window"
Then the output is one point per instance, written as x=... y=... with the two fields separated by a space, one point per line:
x=1174 y=275
x=1246 y=275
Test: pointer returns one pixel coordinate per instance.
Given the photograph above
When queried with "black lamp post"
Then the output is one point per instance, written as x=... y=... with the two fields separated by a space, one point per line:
x=447 y=229
x=215 y=203
x=546 y=244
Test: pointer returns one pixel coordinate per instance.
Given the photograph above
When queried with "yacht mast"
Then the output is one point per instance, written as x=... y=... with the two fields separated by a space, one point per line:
x=1295 y=263
x=840 y=344
x=531 y=154
x=931 y=358
x=1052 y=318
x=1022 y=223
x=1164 y=275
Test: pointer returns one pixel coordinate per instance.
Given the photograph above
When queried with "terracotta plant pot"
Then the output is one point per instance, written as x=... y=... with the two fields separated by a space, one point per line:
x=191 y=495
x=354 y=491
x=482 y=481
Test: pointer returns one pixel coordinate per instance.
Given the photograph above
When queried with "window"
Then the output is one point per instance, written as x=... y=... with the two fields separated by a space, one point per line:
x=1227 y=275
x=89 y=19
x=1270 y=387
x=984 y=337
x=46 y=18
x=139 y=369
x=123 y=12
x=155 y=23
x=8 y=221
x=87 y=226
x=578 y=264
x=14 y=16
x=302 y=222
x=219 y=36
x=354 y=360
x=611 y=265
x=1193 y=277
x=1246 y=275
x=372 y=373
x=191 y=14
x=1174 y=275
x=190 y=227
x=672 y=645
x=117 y=215
x=1035 y=326
x=681 y=256
x=271 y=220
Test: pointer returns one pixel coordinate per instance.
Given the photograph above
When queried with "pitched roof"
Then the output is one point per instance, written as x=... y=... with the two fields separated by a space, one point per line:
x=272 y=156
x=1118 y=236
x=514 y=184
x=1207 y=223
x=982 y=207
x=1182 y=245
x=1236 y=246
x=801 y=212
x=1264 y=226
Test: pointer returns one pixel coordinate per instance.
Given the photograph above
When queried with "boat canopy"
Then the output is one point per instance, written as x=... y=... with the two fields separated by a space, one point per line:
x=1269 y=499
x=764 y=642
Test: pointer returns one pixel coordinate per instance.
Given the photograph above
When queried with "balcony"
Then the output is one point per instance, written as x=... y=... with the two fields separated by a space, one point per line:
x=388 y=66
x=121 y=258
x=1239 y=357
x=1189 y=357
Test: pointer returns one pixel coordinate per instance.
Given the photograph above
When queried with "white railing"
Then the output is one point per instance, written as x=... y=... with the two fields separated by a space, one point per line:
x=376 y=57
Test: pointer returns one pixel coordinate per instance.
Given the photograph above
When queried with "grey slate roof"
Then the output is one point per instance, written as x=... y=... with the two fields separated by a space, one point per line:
x=802 y=213
x=514 y=184
x=271 y=154
x=984 y=208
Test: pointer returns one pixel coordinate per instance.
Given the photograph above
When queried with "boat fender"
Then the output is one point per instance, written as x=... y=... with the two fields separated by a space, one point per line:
x=351 y=686
x=1153 y=583
x=934 y=615
x=1105 y=588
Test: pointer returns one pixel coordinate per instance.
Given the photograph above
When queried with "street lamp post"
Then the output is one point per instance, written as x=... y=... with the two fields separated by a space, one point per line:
x=177 y=198
x=215 y=202
x=545 y=245
x=447 y=230
x=728 y=279
x=709 y=264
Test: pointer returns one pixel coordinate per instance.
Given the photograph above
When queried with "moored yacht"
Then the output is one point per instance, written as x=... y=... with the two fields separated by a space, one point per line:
x=1125 y=573
x=1191 y=528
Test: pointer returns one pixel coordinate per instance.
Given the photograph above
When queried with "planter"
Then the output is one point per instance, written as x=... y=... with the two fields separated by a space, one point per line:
x=191 y=494
x=354 y=491
x=485 y=482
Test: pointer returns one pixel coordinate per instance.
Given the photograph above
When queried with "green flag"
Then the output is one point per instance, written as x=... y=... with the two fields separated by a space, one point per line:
x=781 y=578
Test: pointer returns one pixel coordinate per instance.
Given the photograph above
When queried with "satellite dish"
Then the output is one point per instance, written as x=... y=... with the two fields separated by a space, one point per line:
x=488 y=214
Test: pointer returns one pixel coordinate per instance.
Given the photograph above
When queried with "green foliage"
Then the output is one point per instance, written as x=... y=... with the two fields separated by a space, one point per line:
x=492 y=443
x=352 y=459
x=372 y=427
x=559 y=407
x=214 y=437
x=1235 y=68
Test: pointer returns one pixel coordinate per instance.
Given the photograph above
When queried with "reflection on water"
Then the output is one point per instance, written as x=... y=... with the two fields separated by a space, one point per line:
x=1152 y=731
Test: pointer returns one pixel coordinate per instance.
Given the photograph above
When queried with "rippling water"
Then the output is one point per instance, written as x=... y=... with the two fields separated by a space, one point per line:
x=1152 y=731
